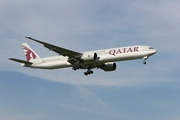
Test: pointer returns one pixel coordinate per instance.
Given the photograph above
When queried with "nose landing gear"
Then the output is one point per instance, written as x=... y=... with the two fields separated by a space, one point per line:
x=145 y=58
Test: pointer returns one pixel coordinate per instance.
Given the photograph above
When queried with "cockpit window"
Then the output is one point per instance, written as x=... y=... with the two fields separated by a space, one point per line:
x=151 y=48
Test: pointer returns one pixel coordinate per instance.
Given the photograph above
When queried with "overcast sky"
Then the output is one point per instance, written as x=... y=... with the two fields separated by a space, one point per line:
x=133 y=91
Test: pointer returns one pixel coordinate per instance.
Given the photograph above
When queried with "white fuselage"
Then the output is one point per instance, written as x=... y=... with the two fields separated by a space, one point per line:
x=106 y=55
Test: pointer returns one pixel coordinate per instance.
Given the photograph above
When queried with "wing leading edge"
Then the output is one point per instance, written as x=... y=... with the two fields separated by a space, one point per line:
x=59 y=50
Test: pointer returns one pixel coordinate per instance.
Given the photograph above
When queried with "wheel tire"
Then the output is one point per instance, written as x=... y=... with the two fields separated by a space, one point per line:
x=85 y=73
x=74 y=68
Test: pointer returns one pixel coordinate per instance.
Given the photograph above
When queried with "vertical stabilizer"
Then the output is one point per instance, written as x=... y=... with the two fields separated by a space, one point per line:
x=29 y=53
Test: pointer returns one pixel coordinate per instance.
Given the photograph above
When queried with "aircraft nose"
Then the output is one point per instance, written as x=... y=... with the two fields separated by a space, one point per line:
x=155 y=51
x=152 y=52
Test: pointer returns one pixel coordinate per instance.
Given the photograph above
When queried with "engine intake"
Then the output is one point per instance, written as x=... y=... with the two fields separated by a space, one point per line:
x=111 y=66
x=87 y=57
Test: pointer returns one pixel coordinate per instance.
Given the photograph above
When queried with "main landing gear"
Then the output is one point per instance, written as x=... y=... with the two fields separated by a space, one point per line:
x=77 y=67
x=145 y=58
x=88 y=72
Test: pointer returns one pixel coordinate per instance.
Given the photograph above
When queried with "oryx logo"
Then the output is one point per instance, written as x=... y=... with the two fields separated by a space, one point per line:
x=28 y=53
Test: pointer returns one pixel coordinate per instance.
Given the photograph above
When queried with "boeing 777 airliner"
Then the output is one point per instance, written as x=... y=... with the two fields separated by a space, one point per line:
x=104 y=59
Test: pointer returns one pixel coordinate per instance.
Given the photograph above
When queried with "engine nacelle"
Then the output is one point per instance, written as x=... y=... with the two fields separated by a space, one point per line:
x=111 y=66
x=87 y=57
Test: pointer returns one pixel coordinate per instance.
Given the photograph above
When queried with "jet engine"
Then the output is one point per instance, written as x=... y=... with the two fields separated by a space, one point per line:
x=87 y=57
x=111 y=66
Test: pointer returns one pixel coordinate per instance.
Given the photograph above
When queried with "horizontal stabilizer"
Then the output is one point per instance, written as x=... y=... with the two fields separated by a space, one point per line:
x=20 y=61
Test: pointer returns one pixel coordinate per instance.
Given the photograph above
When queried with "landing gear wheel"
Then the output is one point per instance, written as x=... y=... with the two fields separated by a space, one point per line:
x=91 y=72
x=145 y=58
x=85 y=73
x=88 y=72
x=76 y=67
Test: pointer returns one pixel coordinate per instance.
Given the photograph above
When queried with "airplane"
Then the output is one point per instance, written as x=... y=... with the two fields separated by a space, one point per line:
x=104 y=59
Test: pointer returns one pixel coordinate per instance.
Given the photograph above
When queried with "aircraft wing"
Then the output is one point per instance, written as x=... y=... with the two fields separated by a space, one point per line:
x=59 y=50
x=20 y=61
